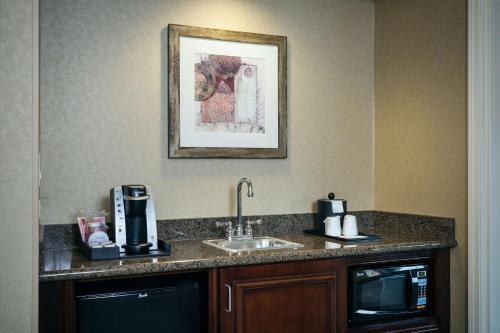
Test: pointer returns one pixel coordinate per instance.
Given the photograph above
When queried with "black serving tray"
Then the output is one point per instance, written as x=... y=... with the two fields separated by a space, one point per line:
x=109 y=253
x=321 y=233
x=103 y=253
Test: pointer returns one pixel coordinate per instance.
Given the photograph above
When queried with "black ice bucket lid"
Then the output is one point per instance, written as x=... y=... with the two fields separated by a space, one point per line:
x=332 y=206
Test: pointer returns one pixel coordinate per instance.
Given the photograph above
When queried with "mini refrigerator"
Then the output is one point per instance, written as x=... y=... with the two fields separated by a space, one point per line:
x=169 y=309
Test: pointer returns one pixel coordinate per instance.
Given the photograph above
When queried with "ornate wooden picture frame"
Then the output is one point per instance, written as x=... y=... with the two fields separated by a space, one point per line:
x=227 y=94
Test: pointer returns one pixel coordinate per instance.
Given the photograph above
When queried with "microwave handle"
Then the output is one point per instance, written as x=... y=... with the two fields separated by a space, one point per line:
x=412 y=291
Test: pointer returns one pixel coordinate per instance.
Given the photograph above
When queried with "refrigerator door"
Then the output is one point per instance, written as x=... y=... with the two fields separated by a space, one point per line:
x=170 y=309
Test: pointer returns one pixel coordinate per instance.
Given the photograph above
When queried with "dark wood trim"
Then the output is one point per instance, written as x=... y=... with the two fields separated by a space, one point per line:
x=268 y=271
x=174 y=149
x=70 y=307
x=386 y=258
x=342 y=298
x=136 y=276
x=213 y=300
x=414 y=325
x=441 y=289
x=57 y=307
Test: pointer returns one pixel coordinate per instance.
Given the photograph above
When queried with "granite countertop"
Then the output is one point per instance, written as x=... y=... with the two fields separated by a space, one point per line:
x=69 y=264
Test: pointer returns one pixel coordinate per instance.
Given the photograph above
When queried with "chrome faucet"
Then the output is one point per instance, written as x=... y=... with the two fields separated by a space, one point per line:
x=237 y=232
x=239 y=218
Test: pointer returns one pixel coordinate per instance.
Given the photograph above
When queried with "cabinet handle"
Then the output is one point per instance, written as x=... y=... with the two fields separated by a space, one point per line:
x=229 y=296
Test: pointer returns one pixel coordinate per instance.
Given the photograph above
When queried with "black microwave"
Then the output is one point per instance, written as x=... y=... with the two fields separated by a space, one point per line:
x=383 y=293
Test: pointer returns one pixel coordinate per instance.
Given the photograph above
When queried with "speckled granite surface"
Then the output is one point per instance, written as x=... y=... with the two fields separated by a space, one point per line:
x=66 y=235
x=400 y=232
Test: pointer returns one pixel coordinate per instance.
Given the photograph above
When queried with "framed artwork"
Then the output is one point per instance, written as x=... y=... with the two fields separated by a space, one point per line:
x=227 y=94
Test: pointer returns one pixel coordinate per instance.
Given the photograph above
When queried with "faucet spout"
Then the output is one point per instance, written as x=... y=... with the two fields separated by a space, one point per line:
x=250 y=193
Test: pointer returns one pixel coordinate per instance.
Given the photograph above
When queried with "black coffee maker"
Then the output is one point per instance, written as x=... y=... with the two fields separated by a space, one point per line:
x=133 y=214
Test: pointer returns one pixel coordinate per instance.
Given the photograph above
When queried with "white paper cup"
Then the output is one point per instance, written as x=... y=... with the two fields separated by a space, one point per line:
x=350 y=227
x=332 y=226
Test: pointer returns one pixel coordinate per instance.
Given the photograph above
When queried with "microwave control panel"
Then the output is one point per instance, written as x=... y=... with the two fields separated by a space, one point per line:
x=422 y=290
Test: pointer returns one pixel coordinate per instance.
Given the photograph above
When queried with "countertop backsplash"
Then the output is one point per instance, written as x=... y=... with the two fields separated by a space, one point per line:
x=53 y=236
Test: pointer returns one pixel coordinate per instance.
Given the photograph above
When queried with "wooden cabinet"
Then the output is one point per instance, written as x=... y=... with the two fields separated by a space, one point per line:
x=293 y=297
x=305 y=296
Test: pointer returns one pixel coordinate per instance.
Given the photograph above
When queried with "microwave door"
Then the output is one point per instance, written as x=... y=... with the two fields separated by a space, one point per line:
x=388 y=293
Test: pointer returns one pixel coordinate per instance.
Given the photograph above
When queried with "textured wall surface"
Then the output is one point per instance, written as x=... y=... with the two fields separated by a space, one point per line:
x=421 y=117
x=16 y=162
x=104 y=106
x=495 y=168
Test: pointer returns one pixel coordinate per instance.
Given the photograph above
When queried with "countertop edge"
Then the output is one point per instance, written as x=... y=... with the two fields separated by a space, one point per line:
x=253 y=259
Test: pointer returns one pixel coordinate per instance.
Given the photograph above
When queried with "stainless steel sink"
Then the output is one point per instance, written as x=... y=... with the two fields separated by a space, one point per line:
x=257 y=243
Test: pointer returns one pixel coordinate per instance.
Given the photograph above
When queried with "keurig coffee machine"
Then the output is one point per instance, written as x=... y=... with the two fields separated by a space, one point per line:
x=133 y=215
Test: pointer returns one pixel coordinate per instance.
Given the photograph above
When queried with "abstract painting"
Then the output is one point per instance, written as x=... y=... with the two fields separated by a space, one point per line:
x=227 y=94
x=231 y=95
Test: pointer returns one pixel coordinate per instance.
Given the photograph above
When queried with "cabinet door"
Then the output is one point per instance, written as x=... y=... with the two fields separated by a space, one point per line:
x=292 y=298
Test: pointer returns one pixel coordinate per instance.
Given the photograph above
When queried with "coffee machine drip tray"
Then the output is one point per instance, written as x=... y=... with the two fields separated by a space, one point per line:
x=164 y=249
x=137 y=248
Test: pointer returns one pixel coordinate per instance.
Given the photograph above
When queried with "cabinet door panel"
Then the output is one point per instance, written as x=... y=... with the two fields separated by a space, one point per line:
x=289 y=297
x=292 y=305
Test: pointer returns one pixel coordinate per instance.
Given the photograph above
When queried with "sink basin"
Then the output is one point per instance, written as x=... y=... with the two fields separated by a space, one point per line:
x=257 y=243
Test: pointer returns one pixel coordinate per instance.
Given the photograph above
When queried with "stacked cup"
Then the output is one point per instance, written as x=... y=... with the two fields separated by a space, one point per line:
x=350 y=227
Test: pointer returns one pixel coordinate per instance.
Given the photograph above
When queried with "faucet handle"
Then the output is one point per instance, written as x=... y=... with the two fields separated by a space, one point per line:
x=229 y=228
x=248 y=229
x=258 y=221
x=229 y=224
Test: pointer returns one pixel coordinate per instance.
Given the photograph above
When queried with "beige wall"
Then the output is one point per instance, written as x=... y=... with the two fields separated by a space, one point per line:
x=494 y=264
x=104 y=106
x=16 y=166
x=420 y=119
